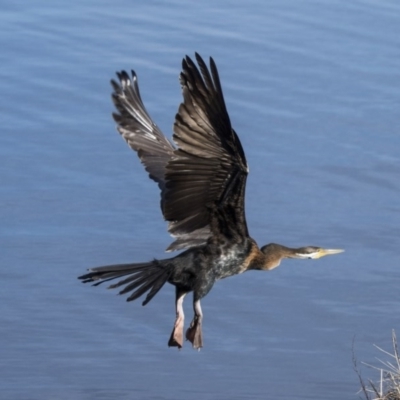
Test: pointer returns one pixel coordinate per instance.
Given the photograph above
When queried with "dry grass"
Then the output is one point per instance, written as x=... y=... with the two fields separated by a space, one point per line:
x=388 y=387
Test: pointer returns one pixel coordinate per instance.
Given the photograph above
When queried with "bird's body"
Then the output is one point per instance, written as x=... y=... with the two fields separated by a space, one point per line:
x=202 y=184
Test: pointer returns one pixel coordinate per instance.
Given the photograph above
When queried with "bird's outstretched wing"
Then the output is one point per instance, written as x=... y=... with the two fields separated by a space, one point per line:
x=138 y=129
x=206 y=177
x=203 y=181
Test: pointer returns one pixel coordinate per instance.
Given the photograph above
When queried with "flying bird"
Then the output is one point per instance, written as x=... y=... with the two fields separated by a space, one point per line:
x=202 y=179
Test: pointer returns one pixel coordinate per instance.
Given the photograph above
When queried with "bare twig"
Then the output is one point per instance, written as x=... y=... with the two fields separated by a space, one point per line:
x=389 y=383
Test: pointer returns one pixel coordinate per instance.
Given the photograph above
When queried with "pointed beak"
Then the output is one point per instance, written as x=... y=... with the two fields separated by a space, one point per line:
x=328 y=252
x=318 y=253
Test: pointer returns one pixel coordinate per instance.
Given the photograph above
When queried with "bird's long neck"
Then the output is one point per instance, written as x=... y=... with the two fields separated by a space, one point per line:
x=271 y=256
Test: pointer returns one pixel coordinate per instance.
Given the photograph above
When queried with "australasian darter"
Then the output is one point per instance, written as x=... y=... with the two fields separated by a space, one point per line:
x=202 y=179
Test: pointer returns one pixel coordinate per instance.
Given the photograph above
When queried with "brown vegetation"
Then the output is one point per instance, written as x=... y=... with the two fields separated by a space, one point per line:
x=388 y=386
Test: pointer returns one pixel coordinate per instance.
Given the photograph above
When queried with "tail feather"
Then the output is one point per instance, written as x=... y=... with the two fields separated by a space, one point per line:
x=154 y=290
x=144 y=277
x=140 y=281
x=124 y=281
x=103 y=274
x=141 y=290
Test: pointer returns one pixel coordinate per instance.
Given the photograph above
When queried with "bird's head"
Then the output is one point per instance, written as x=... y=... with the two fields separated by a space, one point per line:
x=274 y=253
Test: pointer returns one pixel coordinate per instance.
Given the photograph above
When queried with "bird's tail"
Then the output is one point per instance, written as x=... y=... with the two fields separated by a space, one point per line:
x=140 y=277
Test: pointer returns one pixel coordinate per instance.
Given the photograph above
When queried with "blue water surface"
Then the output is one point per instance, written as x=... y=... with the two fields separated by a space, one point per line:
x=313 y=90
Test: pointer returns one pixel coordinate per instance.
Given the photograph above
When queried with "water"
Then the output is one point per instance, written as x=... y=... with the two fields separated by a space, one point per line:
x=313 y=91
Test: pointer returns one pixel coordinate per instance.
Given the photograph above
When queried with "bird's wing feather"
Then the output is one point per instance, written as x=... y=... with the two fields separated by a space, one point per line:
x=138 y=129
x=206 y=176
x=203 y=181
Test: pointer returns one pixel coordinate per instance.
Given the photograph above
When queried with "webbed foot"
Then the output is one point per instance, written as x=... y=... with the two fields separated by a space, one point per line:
x=194 y=334
x=176 y=339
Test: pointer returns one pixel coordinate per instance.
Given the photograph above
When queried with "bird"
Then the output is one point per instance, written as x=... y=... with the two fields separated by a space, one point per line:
x=202 y=179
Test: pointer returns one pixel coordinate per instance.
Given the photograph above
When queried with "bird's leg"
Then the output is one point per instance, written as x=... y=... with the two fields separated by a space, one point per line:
x=193 y=334
x=176 y=339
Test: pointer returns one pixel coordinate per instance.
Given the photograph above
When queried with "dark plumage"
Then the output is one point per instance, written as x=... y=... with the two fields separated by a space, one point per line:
x=202 y=183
